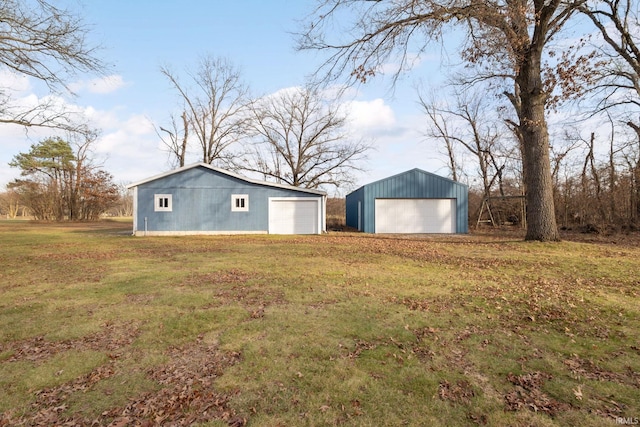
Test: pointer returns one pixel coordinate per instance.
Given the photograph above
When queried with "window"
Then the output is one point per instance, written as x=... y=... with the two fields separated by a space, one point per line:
x=239 y=203
x=162 y=202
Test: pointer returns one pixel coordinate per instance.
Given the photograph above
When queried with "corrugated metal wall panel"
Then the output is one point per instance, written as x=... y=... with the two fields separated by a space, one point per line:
x=354 y=207
x=414 y=184
x=201 y=201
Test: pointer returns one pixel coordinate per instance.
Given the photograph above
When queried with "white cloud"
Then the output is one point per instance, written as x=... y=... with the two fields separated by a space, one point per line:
x=130 y=149
x=398 y=144
x=102 y=119
x=370 y=116
x=99 y=86
x=13 y=81
x=123 y=137
x=127 y=148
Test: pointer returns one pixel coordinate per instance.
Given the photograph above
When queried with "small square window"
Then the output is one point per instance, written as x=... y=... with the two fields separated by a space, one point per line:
x=239 y=203
x=162 y=203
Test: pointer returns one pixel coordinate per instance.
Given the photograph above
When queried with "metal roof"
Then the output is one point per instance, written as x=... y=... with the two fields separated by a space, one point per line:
x=230 y=174
x=414 y=170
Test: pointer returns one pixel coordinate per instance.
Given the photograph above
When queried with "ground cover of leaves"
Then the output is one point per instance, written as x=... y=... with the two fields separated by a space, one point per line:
x=340 y=329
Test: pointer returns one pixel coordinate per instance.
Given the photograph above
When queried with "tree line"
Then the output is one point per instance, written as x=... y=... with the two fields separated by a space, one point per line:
x=59 y=183
x=297 y=136
x=523 y=64
x=595 y=166
x=594 y=152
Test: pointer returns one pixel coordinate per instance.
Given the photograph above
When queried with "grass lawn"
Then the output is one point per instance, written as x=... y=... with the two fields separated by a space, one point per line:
x=100 y=327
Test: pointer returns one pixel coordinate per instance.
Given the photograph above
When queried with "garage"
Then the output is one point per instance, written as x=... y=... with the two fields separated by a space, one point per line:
x=203 y=199
x=294 y=215
x=411 y=202
x=415 y=216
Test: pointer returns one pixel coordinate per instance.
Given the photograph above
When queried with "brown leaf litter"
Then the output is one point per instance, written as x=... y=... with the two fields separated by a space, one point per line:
x=528 y=394
x=111 y=338
x=186 y=396
x=459 y=392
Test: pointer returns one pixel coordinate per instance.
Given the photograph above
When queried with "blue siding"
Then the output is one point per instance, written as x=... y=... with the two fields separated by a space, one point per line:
x=352 y=201
x=413 y=184
x=201 y=201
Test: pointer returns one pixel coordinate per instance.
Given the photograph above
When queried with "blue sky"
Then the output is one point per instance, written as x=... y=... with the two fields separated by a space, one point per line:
x=138 y=37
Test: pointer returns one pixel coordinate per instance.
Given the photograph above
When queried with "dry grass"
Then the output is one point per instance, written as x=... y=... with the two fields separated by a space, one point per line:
x=484 y=329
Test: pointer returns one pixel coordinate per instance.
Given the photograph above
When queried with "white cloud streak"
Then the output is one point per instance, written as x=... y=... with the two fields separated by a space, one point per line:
x=100 y=86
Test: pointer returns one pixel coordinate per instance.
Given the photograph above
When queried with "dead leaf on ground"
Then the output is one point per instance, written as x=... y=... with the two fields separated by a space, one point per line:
x=187 y=395
x=528 y=394
x=460 y=392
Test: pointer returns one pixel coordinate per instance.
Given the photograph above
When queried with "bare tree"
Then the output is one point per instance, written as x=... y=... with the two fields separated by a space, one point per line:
x=175 y=138
x=439 y=128
x=618 y=81
x=49 y=44
x=84 y=166
x=506 y=40
x=10 y=204
x=468 y=124
x=301 y=140
x=619 y=70
x=125 y=205
x=595 y=186
x=62 y=184
x=632 y=160
x=215 y=107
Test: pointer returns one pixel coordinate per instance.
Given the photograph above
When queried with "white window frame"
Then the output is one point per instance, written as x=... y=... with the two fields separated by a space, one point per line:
x=239 y=203
x=156 y=203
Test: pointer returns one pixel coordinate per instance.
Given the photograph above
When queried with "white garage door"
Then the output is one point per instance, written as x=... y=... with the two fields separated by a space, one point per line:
x=415 y=215
x=294 y=216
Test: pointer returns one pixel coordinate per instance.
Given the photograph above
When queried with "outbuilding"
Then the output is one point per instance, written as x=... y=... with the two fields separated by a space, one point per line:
x=203 y=199
x=414 y=201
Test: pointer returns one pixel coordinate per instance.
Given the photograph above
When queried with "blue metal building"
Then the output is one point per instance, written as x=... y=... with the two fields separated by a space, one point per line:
x=202 y=199
x=414 y=201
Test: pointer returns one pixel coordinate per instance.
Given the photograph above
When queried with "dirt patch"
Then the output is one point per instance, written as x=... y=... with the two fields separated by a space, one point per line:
x=397 y=351
x=435 y=304
x=578 y=234
x=359 y=347
x=57 y=254
x=411 y=247
x=50 y=405
x=415 y=304
x=255 y=300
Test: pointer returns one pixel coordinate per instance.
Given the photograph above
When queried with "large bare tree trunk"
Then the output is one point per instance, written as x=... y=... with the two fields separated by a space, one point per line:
x=541 y=219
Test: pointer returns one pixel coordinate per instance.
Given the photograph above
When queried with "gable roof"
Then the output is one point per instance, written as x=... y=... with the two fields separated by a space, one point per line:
x=409 y=172
x=230 y=174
